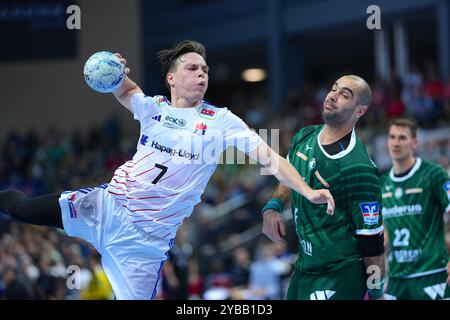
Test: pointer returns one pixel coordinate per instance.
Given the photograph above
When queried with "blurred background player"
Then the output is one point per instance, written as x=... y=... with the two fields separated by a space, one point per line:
x=334 y=251
x=132 y=222
x=416 y=194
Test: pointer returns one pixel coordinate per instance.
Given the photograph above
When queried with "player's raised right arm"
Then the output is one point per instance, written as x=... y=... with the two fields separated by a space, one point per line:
x=289 y=176
x=127 y=89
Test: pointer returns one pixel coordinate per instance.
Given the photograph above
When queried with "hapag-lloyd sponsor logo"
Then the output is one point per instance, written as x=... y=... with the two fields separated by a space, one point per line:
x=217 y=147
x=173 y=152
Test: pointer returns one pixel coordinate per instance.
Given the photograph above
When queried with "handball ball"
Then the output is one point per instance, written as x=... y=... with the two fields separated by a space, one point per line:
x=104 y=72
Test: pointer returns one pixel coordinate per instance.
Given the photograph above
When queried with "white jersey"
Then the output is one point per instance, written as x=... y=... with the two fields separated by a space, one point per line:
x=177 y=152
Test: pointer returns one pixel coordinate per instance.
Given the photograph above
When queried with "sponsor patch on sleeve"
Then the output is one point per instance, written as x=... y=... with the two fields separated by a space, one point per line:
x=370 y=212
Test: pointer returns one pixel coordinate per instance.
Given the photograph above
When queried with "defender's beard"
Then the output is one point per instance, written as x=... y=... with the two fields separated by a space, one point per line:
x=336 y=118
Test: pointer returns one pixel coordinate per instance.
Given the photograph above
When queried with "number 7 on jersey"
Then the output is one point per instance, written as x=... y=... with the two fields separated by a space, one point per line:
x=161 y=174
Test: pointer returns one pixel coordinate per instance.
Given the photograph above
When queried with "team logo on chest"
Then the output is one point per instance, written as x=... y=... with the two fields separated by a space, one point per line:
x=312 y=164
x=398 y=193
x=200 y=128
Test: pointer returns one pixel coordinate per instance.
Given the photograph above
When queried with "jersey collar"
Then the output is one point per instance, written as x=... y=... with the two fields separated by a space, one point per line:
x=343 y=153
x=409 y=175
x=164 y=102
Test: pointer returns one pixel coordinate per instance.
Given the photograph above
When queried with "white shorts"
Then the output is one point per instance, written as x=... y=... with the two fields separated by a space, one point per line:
x=131 y=258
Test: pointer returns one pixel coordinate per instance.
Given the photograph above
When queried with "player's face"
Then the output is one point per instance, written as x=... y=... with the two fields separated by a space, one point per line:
x=190 y=79
x=401 y=144
x=340 y=106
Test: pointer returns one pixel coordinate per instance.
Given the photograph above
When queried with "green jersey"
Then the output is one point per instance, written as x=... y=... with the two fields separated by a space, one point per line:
x=413 y=208
x=328 y=243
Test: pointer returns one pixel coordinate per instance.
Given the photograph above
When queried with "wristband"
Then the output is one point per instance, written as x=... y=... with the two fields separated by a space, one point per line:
x=377 y=293
x=275 y=204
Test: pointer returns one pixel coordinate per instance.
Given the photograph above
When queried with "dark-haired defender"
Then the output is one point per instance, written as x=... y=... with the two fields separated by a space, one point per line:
x=416 y=194
x=132 y=221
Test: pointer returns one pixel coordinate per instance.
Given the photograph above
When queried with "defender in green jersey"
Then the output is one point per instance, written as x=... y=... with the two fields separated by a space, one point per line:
x=416 y=194
x=334 y=251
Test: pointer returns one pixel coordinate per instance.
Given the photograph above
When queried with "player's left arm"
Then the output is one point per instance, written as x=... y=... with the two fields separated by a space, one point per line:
x=374 y=263
x=363 y=188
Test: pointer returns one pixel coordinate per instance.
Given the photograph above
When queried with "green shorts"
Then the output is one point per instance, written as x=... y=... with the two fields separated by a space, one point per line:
x=348 y=283
x=431 y=287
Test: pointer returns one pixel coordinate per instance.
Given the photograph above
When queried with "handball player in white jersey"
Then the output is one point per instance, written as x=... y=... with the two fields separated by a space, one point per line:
x=132 y=221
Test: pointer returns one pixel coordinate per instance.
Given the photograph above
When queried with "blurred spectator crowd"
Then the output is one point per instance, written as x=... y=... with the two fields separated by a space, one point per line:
x=211 y=258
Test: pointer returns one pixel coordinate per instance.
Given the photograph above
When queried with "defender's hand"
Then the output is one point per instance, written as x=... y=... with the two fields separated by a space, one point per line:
x=274 y=226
